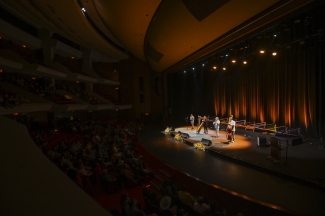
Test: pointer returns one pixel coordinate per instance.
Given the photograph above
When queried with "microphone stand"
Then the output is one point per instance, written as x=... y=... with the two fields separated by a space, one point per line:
x=286 y=162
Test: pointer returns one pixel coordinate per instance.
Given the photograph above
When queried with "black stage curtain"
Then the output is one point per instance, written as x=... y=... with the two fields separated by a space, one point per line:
x=286 y=89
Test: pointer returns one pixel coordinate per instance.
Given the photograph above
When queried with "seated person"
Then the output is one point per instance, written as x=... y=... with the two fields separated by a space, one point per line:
x=200 y=206
x=185 y=197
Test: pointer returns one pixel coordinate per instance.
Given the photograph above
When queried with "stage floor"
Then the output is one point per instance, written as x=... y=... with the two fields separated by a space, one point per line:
x=296 y=182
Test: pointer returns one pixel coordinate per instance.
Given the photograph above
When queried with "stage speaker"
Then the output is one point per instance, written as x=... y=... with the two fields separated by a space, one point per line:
x=206 y=142
x=296 y=141
x=185 y=135
x=261 y=141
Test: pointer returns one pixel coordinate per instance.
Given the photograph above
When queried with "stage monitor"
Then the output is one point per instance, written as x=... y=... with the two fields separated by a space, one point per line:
x=206 y=142
x=185 y=135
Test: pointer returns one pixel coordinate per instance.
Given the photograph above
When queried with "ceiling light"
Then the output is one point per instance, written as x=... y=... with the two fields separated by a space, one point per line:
x=274 y=53
x=184 y=71
x=214 y=67
x=224 y=68
x=244 y=62
x=262 y=51
x=233 y=61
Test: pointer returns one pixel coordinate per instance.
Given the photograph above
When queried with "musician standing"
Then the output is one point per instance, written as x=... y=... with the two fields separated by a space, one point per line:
x=205 y=125
x=217 y=126
x=192 y=118
x=232 y=123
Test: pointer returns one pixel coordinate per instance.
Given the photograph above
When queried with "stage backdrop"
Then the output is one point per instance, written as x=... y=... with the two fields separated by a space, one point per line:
x=286 y=89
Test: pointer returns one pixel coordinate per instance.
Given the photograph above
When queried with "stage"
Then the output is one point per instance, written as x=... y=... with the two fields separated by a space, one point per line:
x=294 y=182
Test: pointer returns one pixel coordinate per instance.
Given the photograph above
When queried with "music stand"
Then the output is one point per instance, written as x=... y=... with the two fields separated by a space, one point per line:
x=275 y=149
x=287 y=151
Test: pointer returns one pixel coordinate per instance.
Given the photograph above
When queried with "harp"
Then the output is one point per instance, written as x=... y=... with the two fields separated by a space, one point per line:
x=200 y=127
x=201 y=124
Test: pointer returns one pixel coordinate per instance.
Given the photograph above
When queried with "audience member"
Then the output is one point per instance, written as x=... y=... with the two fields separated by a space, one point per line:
x=200 y=207
x=185 y=197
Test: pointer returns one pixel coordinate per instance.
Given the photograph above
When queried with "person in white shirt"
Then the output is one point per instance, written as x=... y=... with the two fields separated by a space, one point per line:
x=192 y=118
x=217 y=126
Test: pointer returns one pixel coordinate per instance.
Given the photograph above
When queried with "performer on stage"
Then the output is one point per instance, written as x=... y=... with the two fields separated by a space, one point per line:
x=192 y=118
x=217 y=126
x=205 y=125
x=232 y=123
x=198 y=120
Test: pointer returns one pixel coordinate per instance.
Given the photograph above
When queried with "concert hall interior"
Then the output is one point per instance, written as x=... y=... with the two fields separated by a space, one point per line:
x=101 y=100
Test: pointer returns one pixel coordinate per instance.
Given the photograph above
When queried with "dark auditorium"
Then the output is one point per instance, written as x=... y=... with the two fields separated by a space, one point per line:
x=162 y=107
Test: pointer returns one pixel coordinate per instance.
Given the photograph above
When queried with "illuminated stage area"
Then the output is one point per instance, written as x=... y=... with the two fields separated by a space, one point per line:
x=220 y=142
x=296 y=182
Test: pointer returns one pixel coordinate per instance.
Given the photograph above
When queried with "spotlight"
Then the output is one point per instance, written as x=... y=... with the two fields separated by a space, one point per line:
x=262 y=51
x=274 y=53
x=83 y=10
x=214 y=67
x=233 y=61
x=193 y=68
x=223 y=68
x=244 y=62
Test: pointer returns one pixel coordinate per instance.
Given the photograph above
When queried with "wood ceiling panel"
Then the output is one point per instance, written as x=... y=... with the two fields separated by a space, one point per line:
x=176 y=33
x=128 y=21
